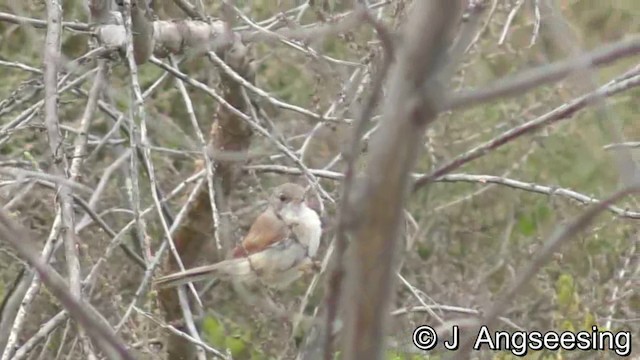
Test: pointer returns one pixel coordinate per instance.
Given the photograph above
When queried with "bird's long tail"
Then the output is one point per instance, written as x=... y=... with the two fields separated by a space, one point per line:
x=278 y=265
x=233 y=268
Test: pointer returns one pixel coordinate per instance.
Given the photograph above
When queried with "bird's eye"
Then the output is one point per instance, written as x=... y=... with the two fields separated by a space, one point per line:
x=283 y=198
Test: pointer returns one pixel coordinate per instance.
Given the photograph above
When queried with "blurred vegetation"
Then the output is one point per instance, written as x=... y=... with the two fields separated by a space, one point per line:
x=473 y=238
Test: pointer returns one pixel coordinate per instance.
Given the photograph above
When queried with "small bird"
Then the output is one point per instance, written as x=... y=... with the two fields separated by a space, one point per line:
x=278 y=249
x=287 y=207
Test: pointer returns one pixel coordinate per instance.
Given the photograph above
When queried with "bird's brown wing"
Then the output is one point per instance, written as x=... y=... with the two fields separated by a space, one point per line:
x=266 y=230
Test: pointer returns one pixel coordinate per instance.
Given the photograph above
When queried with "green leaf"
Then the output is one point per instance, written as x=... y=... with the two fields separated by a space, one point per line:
x=565 y=291
x=214 y=331
x=527 y=226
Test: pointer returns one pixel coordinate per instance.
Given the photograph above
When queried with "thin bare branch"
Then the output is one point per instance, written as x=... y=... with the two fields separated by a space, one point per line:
x=562 y=112
x=561 y=235
x=19 y=238
x=530 y=79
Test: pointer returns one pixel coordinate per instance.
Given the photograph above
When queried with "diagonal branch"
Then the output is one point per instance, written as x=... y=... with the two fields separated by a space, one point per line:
x=530 y=79
x=20 y=239
x=564 y=111
x=559 y=237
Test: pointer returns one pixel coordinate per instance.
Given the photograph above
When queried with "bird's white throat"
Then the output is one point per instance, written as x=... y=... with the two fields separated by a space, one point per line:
x=305 y=223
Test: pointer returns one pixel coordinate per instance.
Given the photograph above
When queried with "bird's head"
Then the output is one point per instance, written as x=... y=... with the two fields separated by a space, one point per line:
x=288 y=201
